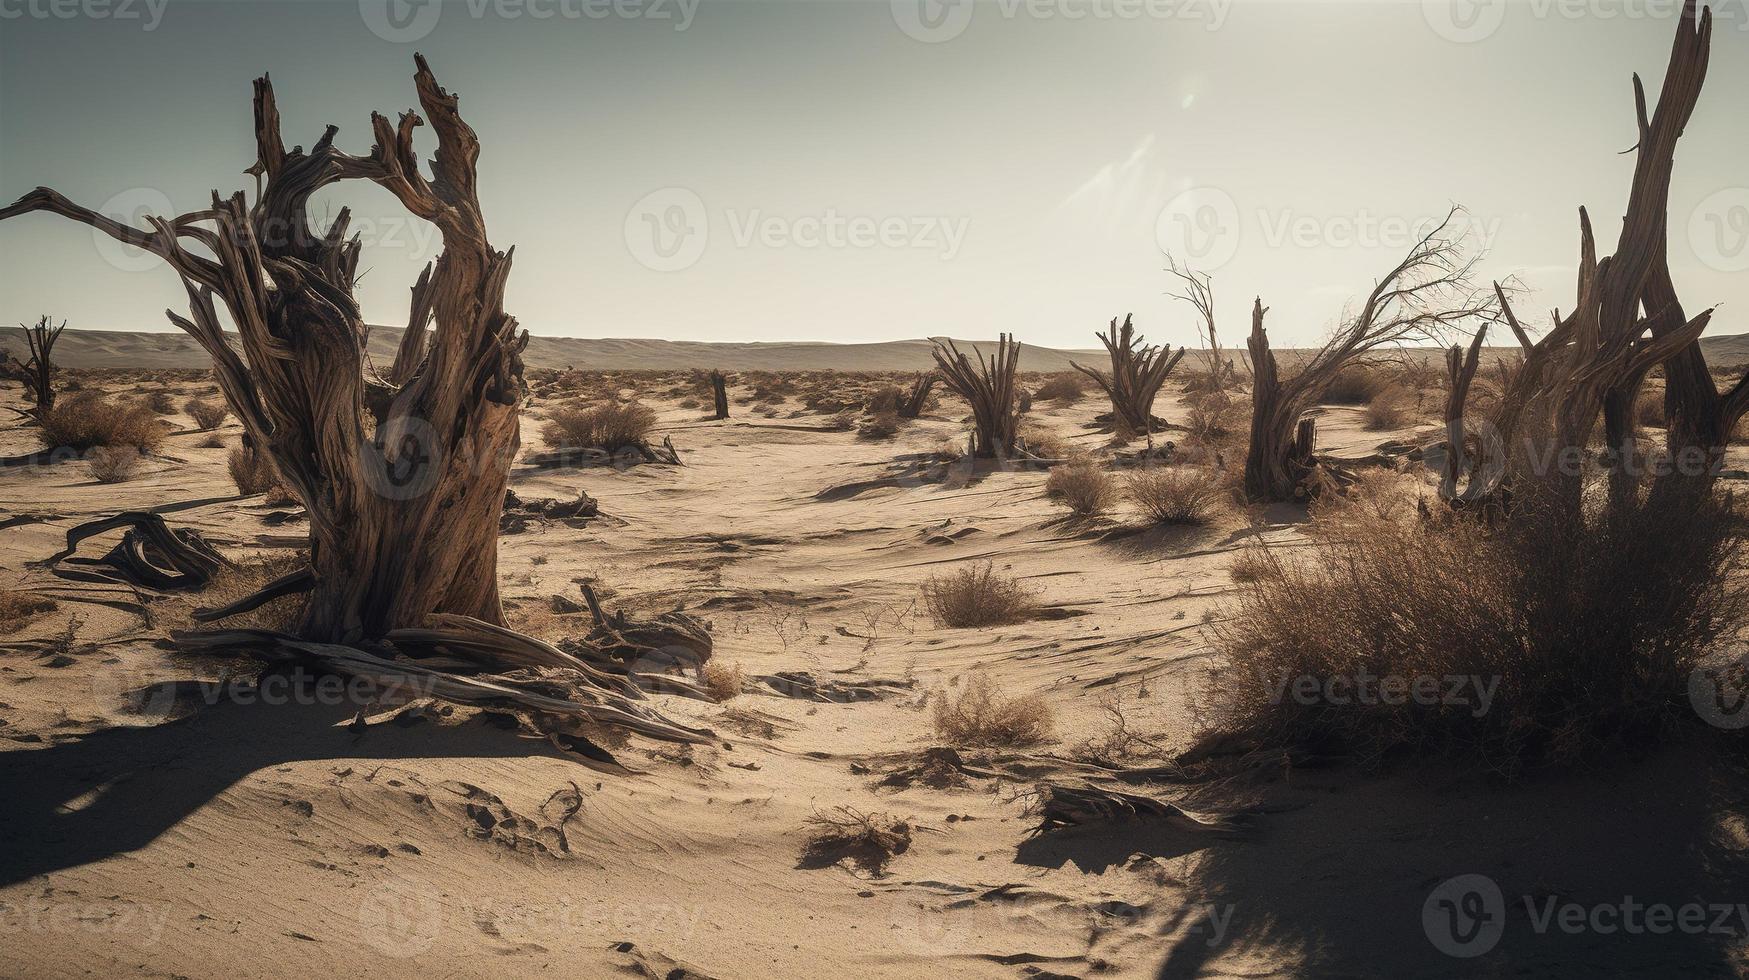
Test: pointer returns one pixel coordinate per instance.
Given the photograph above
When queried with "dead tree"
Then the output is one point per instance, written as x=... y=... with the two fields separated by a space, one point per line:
x=990 y=389
x=720 y=393
x=403 y=511
x=38 y=373
x=1199 y=292
x=1137 y=372
x=911 y=405
x=1426 y=296
x=1625 y=321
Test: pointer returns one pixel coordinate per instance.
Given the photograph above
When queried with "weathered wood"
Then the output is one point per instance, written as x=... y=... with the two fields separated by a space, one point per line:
x=37 y=374
x=151 y=554
x=911 y=406
x=989 y=388
x=1137 y=373
x=719 y=394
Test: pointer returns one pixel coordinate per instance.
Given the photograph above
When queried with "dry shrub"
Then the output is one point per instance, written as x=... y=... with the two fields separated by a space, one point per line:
x=207 y=415
x=1253 y=565
x=1042 y=442
x=251 y=471
x=1082 y=486
x=88 y=420
x=1066 y=388
x=1555 y=638
x=881 y=425
x=723 y=681
x=1215 y=418
x=113 y=464
x=1649 y=409
x=212 y=441
x=18 y=608
x=1176 y=495
x=1387 y=410
x=1356 y=384
x=611 y=426
x=980 y=715
x=976 y=596
x=868 y=840
x=159 y=402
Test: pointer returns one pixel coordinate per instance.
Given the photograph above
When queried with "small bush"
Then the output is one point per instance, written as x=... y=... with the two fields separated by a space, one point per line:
x=207 y=415
x=1649 y=409
x=18 y=608
x=867 y=840
x=113 y=464
x=251 y=471
x=976 y=597
x=1565 y=636
x=1215 y=419
x=1386 y=411
x=610 y=427
x=883 y=425
x=1252 y=565
x=1042 y=442
x=1082 y=486
x=723 y=681
x=981 y=716
x=1355 y=384
x=1176 y=496
x=160 y=402
x=1066 y=388
x=88 y=420
x=212 y=441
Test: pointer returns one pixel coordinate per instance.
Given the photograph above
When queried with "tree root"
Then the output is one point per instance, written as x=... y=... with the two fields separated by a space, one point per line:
x=151 y=555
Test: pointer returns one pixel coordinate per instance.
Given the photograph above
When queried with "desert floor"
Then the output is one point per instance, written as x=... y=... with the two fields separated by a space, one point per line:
x=178 y=834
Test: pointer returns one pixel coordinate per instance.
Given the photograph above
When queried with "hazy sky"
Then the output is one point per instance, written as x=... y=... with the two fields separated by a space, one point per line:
x=866 y=170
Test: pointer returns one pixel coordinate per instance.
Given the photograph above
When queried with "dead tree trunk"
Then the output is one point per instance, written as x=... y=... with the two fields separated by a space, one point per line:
x=38 y=373
x=1271 y=472
x=720 y=394
x=404 y=511
x=911 y=405
x=1135 y=379
x=990 y=389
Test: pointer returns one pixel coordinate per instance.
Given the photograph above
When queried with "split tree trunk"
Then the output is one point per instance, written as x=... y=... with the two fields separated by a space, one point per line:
x=720 y=394
x=1275 y=457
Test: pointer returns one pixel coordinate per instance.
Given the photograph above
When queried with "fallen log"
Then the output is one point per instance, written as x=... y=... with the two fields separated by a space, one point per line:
x=151 y=554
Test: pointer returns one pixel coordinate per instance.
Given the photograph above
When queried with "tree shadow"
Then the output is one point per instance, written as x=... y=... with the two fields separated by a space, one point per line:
x=1349 y=883
x=116 y=790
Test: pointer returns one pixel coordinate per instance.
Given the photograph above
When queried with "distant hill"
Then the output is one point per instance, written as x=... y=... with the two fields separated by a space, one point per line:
x=127 y=349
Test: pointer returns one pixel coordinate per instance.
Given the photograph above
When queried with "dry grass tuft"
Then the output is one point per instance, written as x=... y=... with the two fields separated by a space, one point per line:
x=1387 y=410
x=881 y=425
x=979 y=715
x=1649 y=409
x=610 y=427
x=868 y=840
x=251 y=471
x=207 y=415
x=1355 y=384
x=1253 y=565
x=1083 y=487
x=1066 y=388
x=113 y=464
x=88 y=420
x=1554 y=638
x=976 y=596
x=723 y=681
x=1176 y=495
x=18 y=608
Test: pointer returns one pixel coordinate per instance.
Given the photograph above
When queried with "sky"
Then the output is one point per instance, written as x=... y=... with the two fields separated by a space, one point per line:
x=864 y=170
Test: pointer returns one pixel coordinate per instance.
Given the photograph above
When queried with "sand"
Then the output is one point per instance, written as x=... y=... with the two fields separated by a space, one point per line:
x=148 y=832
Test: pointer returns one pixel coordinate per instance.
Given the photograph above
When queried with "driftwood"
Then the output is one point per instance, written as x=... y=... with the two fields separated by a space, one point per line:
x=719 y=394
x=572 y=513
x=151 y=555
x=911 y=406
x=1060 y=807
x=1135 y=378
x=990 y=389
